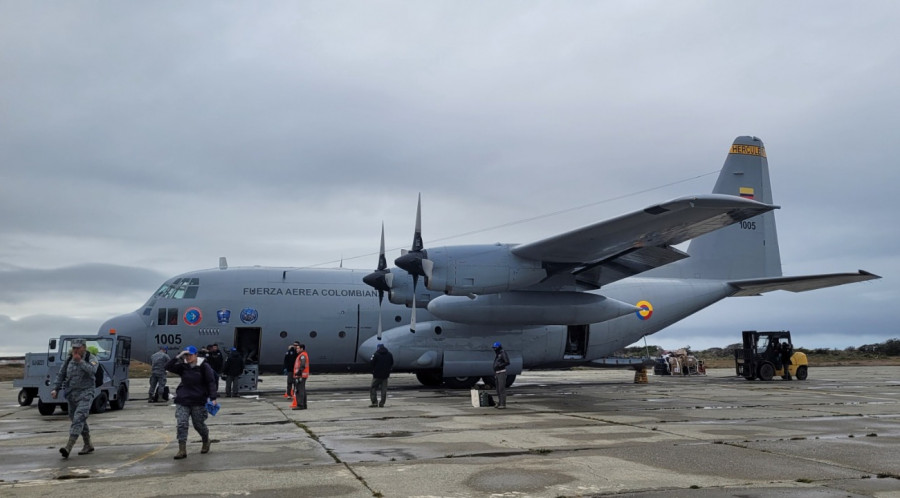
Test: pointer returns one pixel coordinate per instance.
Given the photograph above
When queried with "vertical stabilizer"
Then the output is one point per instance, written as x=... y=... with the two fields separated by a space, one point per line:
x=748 y=249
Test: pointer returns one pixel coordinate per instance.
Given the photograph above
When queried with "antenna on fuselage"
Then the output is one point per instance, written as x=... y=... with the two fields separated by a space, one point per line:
x=223 y=263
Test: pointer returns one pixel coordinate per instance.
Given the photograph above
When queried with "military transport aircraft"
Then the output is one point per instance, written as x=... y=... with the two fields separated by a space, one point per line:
x=562 y=301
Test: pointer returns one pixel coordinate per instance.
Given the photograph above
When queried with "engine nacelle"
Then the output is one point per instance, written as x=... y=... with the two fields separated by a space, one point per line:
x=402 y=290
x=481 y=269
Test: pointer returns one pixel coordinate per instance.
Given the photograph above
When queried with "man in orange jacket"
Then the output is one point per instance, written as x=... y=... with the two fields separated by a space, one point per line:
x=301 y=373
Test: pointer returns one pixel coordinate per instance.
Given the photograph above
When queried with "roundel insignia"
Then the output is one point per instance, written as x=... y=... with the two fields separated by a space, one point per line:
x=646 y=310
x=193 y=316
x=249 y=315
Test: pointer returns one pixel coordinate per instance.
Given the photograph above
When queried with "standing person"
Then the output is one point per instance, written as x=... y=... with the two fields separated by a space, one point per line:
x=382 y=362
x=290 y=356
x=198 y=385
x=77 y=375
x=501 y=361
x=234 y=368
x=158 y=374
x=216 y=359
x=786 y=352
x=301 y=373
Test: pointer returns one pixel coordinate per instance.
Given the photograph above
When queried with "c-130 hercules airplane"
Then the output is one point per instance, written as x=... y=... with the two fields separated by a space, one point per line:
x=559 y=302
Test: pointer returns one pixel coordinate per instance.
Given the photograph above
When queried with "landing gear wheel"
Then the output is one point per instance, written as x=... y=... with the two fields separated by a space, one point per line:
x=766 y=371
x=121 y=398
x=460 y=382
x=509 y=380
x=45 y=408
x=100 y=403
x=802 y=372
x=25 y=397
x=429 y=378
x=489 y=381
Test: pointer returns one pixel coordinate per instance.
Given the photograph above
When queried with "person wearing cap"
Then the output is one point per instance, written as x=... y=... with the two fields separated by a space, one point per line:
x=158 y=363
x=382 y=362
x=501 y=361
x=232 y=371
x=77 y=375
x=198 y=385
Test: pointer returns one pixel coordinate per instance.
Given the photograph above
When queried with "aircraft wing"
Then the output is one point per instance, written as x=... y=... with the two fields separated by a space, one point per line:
x=639 y=241
x=757 y=286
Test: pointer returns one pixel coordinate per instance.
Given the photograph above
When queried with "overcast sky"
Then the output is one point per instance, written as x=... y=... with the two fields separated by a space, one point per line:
x=140 y=140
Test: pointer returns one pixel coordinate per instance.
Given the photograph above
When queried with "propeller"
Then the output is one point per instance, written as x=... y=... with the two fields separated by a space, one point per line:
x=381 y=279
x=416 y=262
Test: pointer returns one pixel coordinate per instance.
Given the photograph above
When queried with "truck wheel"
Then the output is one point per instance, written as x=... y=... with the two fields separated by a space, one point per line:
x=46 y=408
x=121 y=398
x=766 y=371
x=100 y=403
x=25 y=397
x=802 y=372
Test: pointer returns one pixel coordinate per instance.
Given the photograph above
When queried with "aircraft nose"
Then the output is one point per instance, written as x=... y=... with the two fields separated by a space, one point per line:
x=127 y=324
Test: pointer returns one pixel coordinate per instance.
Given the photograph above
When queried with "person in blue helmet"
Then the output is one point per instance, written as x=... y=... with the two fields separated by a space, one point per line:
x=501 y=361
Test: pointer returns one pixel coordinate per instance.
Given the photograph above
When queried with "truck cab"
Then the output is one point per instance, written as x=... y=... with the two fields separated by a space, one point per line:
x=113 y=355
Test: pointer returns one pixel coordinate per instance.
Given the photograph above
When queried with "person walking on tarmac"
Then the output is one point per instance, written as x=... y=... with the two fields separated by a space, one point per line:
x=301 y=373
x=77 y=376
x=158 y=363
x=290 y=356
x=382 y=362
x=234 y=368
x=786 y=352
x=198 y=385
x=501 y=361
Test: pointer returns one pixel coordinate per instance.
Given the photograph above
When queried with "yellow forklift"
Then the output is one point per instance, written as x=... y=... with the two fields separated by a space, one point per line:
x=760 y=358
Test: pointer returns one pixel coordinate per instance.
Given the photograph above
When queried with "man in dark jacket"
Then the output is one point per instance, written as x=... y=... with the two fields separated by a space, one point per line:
x=198 y=385
x=234 y=368
x=382 y=363
x=786 y=352
x=501 y=361
x=290 y=356
x=216 y=359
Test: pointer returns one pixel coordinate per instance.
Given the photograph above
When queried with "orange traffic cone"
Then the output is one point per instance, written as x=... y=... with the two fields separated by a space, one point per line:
x=294 y=404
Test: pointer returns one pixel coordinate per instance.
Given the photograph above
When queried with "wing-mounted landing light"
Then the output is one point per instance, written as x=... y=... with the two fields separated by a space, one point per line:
x=416 y=262
x=381 y=279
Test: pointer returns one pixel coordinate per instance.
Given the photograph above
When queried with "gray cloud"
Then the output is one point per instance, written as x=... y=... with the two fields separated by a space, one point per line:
x=161 y=136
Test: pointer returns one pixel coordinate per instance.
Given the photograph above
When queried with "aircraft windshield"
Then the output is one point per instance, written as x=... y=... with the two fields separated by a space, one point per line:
x=101 y=348
x=180 y=288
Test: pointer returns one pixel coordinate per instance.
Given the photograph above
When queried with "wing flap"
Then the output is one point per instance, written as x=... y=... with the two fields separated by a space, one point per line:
x=626 y=265
x=755 y=287
x=661 y=225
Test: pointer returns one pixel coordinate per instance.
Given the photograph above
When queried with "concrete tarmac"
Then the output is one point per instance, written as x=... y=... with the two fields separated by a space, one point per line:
x=575 y=433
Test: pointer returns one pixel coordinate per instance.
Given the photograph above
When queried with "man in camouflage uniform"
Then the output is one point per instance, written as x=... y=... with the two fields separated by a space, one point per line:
x=158 y=374
x=77 y=377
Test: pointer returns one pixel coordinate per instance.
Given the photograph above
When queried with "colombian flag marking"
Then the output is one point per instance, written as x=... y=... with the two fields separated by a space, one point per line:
x=746 y=192
x=646 y=310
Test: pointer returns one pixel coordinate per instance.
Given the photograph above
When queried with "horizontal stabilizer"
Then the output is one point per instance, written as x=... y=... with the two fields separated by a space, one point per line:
x=755 y=287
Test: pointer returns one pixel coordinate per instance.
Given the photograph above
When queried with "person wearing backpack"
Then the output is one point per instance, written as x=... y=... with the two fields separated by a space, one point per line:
x=198 y=385
x=78 y=376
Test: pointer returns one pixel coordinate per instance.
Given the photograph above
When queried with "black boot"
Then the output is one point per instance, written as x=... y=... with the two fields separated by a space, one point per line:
x=64 y=451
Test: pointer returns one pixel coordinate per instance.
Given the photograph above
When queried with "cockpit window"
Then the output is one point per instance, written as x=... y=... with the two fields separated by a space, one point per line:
x=180 y=288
